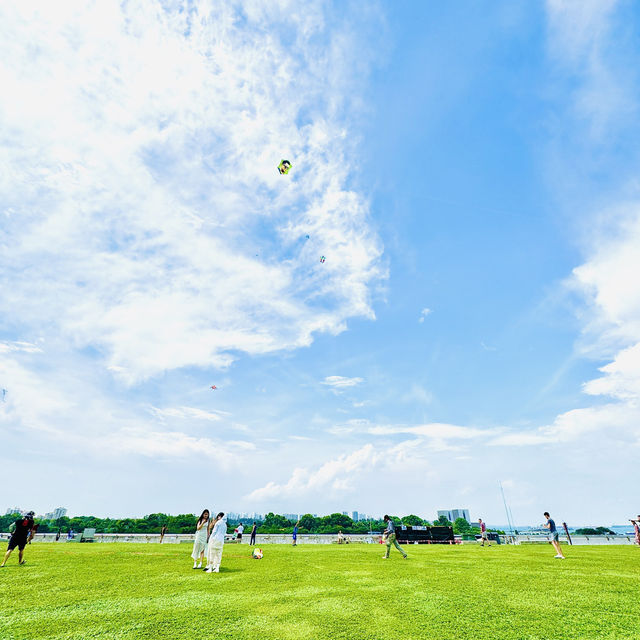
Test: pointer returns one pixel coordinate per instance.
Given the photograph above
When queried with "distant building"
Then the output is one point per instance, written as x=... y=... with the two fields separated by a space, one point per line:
x=354 y=516
x=345 y=513
x=291 y=516
x=11 y=510
x=453 y=514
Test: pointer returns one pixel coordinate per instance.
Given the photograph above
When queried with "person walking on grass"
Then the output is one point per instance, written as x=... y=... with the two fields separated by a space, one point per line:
x=163 y=530
x=553 y=534
x=295 y=534
x=24 y=526
x=483 y=533
x=200 y=541
x=389 y=537
x=252 y=539
x=636 y=529
x=216 y=544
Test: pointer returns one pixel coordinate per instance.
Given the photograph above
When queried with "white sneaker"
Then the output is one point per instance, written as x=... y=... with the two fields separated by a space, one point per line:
x=559 y=557
x=217 y=570
x=199 y=565
x=208 y=570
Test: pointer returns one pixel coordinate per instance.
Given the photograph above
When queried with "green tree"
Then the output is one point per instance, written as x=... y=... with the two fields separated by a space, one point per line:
x=441 y=522
x=414 y=521
x=461 y=526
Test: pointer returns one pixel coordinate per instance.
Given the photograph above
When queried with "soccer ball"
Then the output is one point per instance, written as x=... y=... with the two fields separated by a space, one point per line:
x=257 y=554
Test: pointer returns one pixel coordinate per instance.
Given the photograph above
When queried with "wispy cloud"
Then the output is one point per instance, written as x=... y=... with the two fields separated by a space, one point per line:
x=423 y=314
x=131 y=225
x=186 y=413
x=341 y=382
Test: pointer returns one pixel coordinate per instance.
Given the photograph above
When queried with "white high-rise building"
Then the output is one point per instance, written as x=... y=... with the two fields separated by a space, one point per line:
x=453 y=514
x=354 y=516
x=59 y=512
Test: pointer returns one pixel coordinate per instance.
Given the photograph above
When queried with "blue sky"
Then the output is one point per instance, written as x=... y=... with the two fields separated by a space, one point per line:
x=471 y=176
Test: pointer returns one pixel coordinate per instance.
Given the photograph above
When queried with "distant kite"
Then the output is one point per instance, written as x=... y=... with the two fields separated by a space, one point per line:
x=283 y=167
x=213 y=386
x=4 y=393
x=322 y=259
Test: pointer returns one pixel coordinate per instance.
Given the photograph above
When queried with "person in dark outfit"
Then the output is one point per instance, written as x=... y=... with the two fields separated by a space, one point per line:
x=252 y=540
x=24 y=526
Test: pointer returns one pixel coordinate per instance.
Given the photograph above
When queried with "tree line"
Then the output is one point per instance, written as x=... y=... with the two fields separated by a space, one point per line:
x=272 y=523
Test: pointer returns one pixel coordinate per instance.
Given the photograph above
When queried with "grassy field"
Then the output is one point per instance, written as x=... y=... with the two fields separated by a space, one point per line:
x=114 y=591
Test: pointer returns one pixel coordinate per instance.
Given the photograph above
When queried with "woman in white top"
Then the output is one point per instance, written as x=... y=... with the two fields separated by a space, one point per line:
x=200 y=543
x=216 y=543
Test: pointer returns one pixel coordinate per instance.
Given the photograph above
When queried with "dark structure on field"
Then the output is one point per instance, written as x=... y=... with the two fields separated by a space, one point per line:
x=424 y=535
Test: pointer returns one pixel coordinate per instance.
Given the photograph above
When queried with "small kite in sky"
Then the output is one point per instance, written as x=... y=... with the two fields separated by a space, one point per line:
x=4 y=393
x=213 y=386
x=322 y=259
x=283 y=167
x=307 y=236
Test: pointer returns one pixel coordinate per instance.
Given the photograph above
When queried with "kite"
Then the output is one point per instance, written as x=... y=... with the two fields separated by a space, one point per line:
x=322 y=258
x=307 y=237
x=213 y=386
x=283 y=167
x=4 y=393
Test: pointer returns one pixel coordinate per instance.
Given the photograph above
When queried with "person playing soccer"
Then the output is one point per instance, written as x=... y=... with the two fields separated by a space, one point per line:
x=553 y=534
x=389 y=537
x=252 y=539
x=24 y=527
x=483 y=533
x=216 y=544
x=200 y=541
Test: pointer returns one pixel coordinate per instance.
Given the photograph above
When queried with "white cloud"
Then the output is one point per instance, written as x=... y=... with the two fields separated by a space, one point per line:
x=341 y=382
x=423 y=314
x=583 y=41
x=138 y=193
x=187 y=413
x=333 y=475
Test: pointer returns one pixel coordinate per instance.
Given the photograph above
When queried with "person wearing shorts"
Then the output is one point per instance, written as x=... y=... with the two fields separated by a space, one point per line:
x=389 y=537
x=240 y=531
x=553 y=535
x=24 y=527
x=483 y=533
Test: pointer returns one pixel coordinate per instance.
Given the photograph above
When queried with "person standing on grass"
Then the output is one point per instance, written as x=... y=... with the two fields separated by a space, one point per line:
x=216 y=544
x=389 y=537
x=24 y=526
x=636 y=529
x=163 y=530
x=200 y=541
x=483 y=533
x=240 y=531
x=252 y=539
x=553 y=533
x=295 y=533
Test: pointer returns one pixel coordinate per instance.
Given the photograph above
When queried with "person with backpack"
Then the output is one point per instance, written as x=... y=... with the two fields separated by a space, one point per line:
x=24 y=526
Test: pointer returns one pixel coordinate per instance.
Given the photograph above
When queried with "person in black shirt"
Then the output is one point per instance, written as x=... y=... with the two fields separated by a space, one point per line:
x=24 y=526
x=252 y=540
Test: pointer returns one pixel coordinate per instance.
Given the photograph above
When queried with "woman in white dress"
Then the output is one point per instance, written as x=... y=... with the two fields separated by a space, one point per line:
x=216 y=543
x=200 y=543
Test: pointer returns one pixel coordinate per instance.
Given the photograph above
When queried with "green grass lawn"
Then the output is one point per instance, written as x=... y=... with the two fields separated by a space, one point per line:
x=312 y=592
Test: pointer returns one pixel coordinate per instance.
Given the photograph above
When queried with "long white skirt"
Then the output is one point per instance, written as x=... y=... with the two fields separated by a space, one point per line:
x=199 y=545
